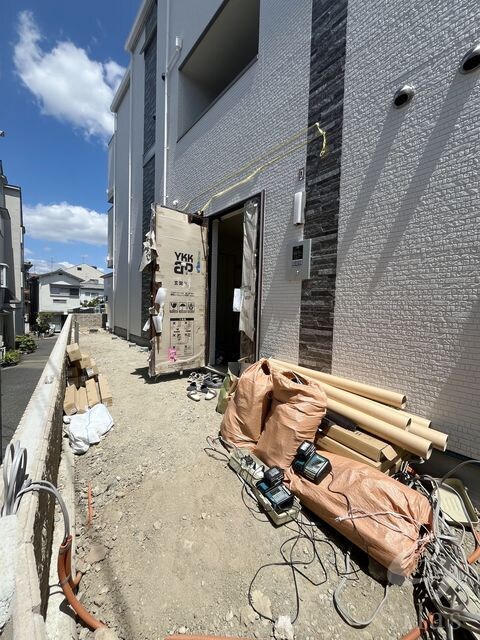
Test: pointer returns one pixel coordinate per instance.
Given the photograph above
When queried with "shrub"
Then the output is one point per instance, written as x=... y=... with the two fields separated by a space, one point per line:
x=43 y=321
x=12 y=357
x=25 y=344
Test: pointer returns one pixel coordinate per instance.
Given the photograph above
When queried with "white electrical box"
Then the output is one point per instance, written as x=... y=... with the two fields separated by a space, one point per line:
x=298 y=265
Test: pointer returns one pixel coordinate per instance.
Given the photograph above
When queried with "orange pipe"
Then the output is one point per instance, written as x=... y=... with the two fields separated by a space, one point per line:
x=68 y=584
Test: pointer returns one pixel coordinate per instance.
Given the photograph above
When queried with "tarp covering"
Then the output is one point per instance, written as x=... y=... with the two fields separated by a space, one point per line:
x=87 y=428
x=178 y=319
x=298 y=406
x=249 y=269
x=247 y=409
x=377 y=513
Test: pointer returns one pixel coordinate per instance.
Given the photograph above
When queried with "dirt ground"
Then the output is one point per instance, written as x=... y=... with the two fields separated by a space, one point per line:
x=173 y=547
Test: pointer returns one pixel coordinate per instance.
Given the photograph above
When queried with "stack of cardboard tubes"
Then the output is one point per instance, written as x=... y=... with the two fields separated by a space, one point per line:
x=377 y=411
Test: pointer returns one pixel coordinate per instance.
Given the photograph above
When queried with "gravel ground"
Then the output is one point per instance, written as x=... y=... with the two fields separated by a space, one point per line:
x=173 y=548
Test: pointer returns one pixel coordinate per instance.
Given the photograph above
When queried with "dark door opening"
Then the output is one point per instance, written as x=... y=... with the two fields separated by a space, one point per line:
x=229 y=254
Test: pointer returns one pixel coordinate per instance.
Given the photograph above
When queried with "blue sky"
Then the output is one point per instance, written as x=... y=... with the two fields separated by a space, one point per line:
x=60 y=63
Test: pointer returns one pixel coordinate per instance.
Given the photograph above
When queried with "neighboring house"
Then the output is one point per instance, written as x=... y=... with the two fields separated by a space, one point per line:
x=86 y=272
x=91 y=290
x=213 y=113
x=61 y=291
x=11 y=263
x=59 y=294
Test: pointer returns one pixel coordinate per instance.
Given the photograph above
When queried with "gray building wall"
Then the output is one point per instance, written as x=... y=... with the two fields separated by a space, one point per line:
x=407 y=294
x=12 y=321
x=121 y=209
x=267 y=105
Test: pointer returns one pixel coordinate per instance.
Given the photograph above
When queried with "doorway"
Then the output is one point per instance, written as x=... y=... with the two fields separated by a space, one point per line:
x=228 y=266
x=233 y=285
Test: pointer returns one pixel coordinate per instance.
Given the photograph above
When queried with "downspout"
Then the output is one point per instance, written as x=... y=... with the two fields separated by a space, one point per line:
x=129 y=250
x=168 y=67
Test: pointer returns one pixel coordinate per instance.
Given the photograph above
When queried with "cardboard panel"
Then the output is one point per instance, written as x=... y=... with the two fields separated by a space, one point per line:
x=105 y=393
x=69 y=401
x=364 y=443
x=82 y=401
x=179 y=338
x=93 y=396
x=74 y=353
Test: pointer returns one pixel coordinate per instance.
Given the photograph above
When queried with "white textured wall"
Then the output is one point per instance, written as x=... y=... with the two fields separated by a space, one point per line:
x=407 y=305
x=267 y=104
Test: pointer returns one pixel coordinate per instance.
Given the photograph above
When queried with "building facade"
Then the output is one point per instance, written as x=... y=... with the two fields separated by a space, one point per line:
x=11 y=263
x=62 y=291
x=218 y=109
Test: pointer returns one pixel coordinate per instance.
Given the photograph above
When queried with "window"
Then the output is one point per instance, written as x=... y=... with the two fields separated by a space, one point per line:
x=3 y=275
x=62 y=290
x=221 y=54
x=79 y=268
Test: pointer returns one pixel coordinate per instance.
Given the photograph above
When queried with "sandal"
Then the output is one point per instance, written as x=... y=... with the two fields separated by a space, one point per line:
x=210 y=394
x=213 y=380
x=192 y=392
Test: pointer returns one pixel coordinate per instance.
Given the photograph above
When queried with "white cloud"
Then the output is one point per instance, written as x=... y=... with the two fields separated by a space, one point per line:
x=68 y=84
x=44 y=266
x=66 y=223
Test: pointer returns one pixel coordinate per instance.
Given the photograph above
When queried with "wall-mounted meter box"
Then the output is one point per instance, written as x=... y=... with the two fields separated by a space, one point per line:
x=298 y=265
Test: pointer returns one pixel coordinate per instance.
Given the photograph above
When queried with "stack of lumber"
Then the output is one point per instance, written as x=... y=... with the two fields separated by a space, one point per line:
x=387 y=433
x=86 y=386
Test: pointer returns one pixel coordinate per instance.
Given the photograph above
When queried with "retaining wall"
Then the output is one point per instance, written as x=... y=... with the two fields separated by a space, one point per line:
x=40 y=432
x=88 y=320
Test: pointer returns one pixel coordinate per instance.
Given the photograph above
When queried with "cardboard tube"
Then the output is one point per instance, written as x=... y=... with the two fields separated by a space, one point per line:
x=423 y=422
x=437 y=438
x=391 y=398
x=409 y=441
x=387 y=414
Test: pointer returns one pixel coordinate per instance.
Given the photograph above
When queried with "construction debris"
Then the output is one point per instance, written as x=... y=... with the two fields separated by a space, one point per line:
x=378 y=412
x=86 y=387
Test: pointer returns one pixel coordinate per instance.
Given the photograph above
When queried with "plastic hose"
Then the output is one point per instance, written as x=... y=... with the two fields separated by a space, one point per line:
x=68 y=584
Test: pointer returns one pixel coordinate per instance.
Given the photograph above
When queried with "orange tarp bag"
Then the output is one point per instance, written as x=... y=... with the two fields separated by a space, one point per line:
x=298 y=406
x=246 y=410
x=377 y=513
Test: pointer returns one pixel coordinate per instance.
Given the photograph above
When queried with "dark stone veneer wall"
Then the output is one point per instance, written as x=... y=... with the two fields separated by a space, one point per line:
x=327 y=66
x=150 y=108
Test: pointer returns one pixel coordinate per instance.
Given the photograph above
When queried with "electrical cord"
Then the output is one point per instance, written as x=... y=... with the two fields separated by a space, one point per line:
x=16 y=484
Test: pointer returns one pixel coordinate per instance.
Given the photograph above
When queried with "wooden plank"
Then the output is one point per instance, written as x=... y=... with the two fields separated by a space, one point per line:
x=105 y=393
x=93 y=396
x=69 y=401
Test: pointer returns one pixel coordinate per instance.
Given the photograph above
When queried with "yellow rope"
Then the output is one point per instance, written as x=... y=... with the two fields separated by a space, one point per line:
x=319 y=132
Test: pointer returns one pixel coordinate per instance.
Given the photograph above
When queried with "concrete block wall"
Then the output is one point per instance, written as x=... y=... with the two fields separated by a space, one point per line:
x=407 y=294
x=88 y=320
x=40 y=432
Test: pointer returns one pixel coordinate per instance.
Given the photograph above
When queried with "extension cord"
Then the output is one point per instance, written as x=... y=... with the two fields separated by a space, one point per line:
x=251 y=469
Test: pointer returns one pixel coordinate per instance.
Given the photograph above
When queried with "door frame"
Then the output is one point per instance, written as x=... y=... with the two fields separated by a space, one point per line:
x=212 y=242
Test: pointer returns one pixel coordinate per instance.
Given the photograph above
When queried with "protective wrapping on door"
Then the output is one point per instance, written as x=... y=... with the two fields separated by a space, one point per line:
x=177 y=316
x=249 y=269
